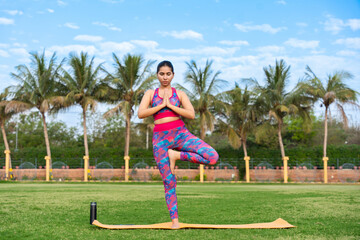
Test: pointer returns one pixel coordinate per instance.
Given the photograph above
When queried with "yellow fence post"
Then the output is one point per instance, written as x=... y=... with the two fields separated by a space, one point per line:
x=247 y=168
x=285 y=159
x=47 y=159
x=325 y=159
x=201 y=172
x=7 y=164
x=126 y=158
x=86 y=168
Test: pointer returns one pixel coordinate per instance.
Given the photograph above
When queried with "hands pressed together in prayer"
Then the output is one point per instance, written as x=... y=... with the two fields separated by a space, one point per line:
x=166 y=101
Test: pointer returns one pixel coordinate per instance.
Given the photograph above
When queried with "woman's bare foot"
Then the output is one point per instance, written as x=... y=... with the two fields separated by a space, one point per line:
x=175 y=223
x=173 y=156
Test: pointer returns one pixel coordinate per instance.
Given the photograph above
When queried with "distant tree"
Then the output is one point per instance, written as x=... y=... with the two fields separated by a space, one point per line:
x=37 y=88
x=277 y=101
x=127 y=85
x=243 y=116
x=6 y=116
x=146 y=126
x=334 y=90
x=81 y=85
x=30 y=132
x=204 y=86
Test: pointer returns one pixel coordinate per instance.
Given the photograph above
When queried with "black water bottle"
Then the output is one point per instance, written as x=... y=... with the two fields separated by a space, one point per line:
x=92 y=212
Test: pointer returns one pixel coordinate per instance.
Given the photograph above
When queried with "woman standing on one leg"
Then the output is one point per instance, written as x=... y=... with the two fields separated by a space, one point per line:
x=171 y=140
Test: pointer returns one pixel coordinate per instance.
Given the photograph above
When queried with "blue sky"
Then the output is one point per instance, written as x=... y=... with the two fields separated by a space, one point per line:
x=241 y=37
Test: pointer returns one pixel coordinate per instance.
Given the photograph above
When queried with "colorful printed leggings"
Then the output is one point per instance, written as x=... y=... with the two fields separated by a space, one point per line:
x=192 y=149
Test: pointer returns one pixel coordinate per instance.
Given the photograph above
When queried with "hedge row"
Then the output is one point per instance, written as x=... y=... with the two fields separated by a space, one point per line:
x=73 y=156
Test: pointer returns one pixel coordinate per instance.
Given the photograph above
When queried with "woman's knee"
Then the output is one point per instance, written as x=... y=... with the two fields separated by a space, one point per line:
x=213 y=158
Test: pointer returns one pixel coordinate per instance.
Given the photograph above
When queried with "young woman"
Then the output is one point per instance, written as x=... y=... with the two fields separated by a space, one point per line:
x=171 y=140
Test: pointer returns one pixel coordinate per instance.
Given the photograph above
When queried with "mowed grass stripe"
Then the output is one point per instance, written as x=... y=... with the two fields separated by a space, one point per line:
x=61 y=211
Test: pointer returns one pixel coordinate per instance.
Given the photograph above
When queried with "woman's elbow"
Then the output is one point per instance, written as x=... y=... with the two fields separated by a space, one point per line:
x=192 y=115
x=140 y=115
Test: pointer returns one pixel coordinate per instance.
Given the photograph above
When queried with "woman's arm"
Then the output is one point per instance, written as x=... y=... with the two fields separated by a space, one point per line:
x=144 y=111
x=187 y=111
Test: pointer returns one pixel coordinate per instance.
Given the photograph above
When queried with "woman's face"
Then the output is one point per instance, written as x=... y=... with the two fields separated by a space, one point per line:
x=165 y=75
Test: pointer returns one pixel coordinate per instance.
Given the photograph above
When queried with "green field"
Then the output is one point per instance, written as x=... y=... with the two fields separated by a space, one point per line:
x=61 y=210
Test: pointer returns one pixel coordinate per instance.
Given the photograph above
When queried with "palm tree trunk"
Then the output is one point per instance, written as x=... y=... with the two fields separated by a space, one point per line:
x=47 y=143
x=325 y=131
x=127 y=135
x=280 y=139
x=147 y=137
x=85 y=133
x=6 y=143
x=243 y=142
x=202 y=126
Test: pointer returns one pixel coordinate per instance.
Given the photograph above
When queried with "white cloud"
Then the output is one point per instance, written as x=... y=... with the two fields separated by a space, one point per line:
x=113 y=1
x=109 y=26
x=50 y=10
x=145 y=44
x=297 y=43
x=13 y=12
x=2 y=66
x=347 y=53
x=207 y=51
x=263 y=27
x=349 y=42
x=270 y=49
x=6 y=21
x=4 y=53
x=234 y=43
x=335 y=25
x=88 y=38
x=22 y=45
x=123 y=47
x=354 y=24
x=19 y=51
x=187 y=34
x=71 y=25
x=61 y=3
x=281 y=2
x=65 y=50
x=317 y=52
x=4 y=45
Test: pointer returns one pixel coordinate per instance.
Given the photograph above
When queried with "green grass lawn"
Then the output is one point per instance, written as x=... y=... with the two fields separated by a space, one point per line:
x=61 y=210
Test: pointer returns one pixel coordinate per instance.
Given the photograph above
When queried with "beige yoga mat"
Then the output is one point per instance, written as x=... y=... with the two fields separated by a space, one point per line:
x=278 y=223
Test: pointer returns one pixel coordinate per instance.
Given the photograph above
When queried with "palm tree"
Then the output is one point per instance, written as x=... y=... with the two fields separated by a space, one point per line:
x=205 y=85
x=277 y=101
x=242 y=117
x=4 y=116
x=126 y=88
x=81 y=85
x=333 y=91
x=37 y=88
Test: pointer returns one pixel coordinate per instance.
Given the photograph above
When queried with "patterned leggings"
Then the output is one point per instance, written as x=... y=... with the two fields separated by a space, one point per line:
x=192 y=149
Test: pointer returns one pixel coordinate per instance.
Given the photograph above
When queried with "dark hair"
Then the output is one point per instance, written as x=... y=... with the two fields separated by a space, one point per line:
x=165 y=63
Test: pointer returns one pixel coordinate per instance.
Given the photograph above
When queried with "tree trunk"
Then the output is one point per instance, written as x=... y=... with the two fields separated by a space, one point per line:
x=202 y=127
x=127 y=135
x=280 y=139
x=147 y=138
x=243 y=142
x=6 y=143
x=325 y=131
x=47 y=143
x=85 y=133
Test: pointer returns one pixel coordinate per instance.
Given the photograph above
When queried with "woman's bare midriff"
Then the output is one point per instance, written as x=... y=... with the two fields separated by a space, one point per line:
x=166 y=120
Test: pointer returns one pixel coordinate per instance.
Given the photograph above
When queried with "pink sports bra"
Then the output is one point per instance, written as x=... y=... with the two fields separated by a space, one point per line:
x=165 y=112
